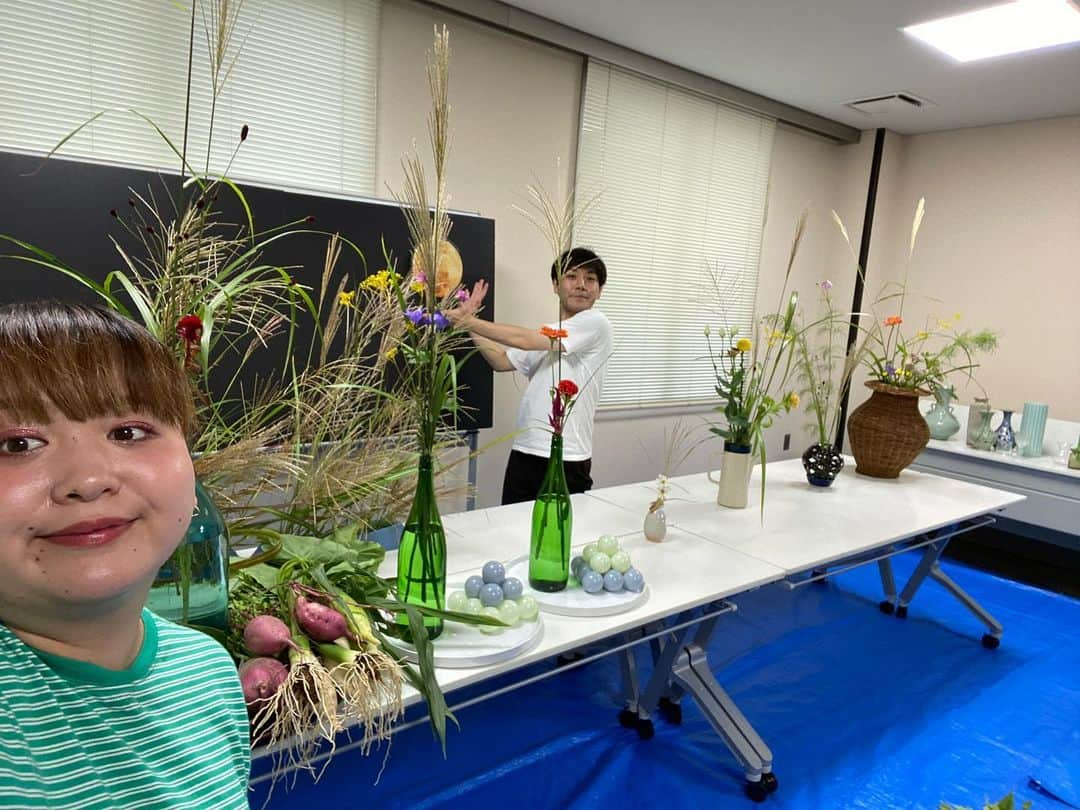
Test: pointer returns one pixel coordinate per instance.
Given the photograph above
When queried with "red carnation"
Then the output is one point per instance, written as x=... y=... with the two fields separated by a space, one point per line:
x=568 y=388
x=189 y=328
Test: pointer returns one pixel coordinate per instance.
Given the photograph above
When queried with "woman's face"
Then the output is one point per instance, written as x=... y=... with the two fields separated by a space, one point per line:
x=89 y=511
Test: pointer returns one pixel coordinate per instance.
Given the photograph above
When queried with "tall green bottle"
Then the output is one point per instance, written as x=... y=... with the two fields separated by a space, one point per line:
x=421 y=571
x=552 y=526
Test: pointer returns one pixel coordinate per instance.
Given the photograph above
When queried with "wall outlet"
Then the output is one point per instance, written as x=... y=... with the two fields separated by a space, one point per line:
x=787 y=441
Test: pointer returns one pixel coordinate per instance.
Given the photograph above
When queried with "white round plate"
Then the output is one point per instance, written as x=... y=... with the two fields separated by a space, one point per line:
x=573 y=601
x=464 y=646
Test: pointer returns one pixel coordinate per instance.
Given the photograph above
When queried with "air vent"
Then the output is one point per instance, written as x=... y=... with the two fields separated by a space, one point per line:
x=889 y=103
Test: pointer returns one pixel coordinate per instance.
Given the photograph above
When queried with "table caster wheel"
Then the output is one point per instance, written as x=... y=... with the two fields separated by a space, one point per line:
x=628 y=718
x=990 y=642
x=671 y=711
x=756 y=791
x=645 y=729
x=886 y=607
x=768 y=781
x=901 y=611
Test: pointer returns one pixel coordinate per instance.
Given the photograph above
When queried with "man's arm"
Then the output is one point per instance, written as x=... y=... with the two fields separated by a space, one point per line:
x=464 y=316
x=493 y=353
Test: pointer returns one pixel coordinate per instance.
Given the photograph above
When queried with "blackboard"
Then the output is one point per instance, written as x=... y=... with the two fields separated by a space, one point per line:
x=63 y=206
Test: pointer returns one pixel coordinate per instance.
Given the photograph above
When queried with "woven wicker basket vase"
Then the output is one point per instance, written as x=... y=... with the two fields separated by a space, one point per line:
x=887 y=431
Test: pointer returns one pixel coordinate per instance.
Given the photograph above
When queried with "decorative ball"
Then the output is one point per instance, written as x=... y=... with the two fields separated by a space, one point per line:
x=473 y=605
x=494 y=571
x=588 y=551
x=494 y=614
x=509 y=612
x=512 y=588
x=591 y=581
x=528 y=607
x=613 y=581
x=608 y=544
x=491 y=595
x=620 y=561
x=456 y=601
x=576 y=565
x=473 y=585
x=633 y=580
x=600 y=562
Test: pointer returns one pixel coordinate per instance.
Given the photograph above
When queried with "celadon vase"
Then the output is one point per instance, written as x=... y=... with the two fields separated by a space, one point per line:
x=941 y=419
x=421 y=569
x=552 y=526
x=734 y=487
x=193 y=586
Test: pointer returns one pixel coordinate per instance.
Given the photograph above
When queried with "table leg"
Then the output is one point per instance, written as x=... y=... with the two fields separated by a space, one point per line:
x=888 y=585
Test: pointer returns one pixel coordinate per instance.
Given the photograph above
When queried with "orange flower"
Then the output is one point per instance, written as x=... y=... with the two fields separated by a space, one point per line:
x=553 y=334
x=894 y=320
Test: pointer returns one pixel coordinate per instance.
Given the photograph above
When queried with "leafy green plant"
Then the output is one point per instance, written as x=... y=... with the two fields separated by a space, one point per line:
x=1007 y=802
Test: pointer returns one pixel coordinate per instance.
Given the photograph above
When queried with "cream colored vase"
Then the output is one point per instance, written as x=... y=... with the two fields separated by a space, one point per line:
x=733 y=491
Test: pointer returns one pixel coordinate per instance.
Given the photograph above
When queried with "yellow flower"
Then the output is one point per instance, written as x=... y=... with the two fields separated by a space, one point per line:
x=346 y=298
x=943 y=324
x=922 y=334
x=743 y=344
x=792 y=401
x=418 y=286
x=775 y=336
x=379 y=282
x=391 y=353
x=956 y=316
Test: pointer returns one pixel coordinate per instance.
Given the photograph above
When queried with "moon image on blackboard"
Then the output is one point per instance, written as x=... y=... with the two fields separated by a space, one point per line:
x=448 y=268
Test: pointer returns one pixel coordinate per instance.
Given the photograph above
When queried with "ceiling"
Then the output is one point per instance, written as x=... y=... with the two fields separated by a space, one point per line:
x=820 y=54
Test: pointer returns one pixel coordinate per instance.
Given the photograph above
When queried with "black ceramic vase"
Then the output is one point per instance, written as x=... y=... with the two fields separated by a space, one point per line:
x=822 y=463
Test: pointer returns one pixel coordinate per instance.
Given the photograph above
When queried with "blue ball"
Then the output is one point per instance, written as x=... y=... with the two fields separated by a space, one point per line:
x=576 y=565
x=491 y=595
x=494 y=572
x=591 y=581
x=512 y=588
x=633 y=580
x=472 y=586
x=613 y=581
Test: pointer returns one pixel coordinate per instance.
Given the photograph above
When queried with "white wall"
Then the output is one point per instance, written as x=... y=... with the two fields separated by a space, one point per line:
x=999 y=241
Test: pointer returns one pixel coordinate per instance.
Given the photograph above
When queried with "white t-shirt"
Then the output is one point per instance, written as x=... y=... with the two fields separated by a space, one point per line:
x=584 y=360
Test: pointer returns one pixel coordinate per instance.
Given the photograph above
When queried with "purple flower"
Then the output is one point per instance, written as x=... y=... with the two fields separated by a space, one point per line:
x=890 y=370
x=462 y=294
x=416 y=316
x=826 y=285
x=440 y=321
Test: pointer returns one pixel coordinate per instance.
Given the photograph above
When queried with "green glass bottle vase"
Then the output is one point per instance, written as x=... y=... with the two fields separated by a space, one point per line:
x=421 y=571
x=193 y=585
x=552 y=526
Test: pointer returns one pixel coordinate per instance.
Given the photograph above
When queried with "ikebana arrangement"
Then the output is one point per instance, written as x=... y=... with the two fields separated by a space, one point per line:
x=887 y=431
x=345 y=433
x=753 y=373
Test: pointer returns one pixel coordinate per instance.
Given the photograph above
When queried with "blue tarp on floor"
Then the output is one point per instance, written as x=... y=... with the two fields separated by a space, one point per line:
x=860 y=709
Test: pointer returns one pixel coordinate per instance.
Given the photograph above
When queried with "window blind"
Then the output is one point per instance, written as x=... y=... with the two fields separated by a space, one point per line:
x=680 y=185
x=303 y=80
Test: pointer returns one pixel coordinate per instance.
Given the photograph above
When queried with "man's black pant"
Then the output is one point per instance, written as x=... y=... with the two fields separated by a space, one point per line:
x=525 y=474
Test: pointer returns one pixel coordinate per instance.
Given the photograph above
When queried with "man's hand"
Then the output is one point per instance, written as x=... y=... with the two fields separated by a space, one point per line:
x=467 y=309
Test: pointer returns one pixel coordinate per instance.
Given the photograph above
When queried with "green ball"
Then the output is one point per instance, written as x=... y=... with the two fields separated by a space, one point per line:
x=456 y=601
x=473 y=605
x=528 y=607
x=600 y=562
x=493 y=613
x=509 y=612
x=588 y=551
x=620 y=561
x=608 y=544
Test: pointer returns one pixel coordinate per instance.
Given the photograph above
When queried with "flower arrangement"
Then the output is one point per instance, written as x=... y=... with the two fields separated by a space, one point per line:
x=562 y=402
x=922 y=360
x=752 y=373
x=303 y=463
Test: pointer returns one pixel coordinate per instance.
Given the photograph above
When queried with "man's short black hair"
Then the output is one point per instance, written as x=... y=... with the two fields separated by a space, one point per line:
x=579 y=257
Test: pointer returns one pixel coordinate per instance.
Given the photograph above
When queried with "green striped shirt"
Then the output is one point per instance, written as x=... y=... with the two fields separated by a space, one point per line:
x=170 y=731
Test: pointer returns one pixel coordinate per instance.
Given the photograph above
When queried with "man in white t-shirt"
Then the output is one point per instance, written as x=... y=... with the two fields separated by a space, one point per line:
x=585 y=351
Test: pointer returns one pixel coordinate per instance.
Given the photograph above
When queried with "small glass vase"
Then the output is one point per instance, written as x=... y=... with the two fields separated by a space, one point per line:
x=943 y=423
x=552 y=526
x=421 y=570
x=1074 y=458
x=193 y=586
x=822 y=463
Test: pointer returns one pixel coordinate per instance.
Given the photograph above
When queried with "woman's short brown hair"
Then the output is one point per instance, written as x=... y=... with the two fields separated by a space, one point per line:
x=88 y=362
